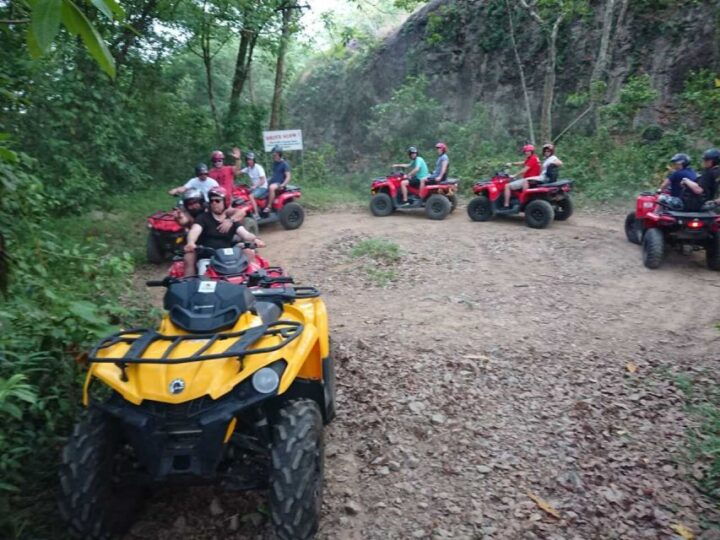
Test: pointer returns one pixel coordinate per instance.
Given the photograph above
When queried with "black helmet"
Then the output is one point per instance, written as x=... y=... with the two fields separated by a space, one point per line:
x=712 y=154
x=412 y=150
x=277 y=149
x=681 y=158
x=201 y=168
x=669 y=202
x=250 y=155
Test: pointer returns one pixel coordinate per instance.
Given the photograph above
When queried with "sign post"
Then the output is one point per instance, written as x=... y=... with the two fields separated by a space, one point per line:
x=287 y=139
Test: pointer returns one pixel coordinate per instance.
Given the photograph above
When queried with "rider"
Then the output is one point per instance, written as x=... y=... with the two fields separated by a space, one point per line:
x=193 y=204
x=207 y=231
x=531 y=169
x=280 y=176
x=416 y=175
x=225 y=175
x=200 y=182
x=442 y=167
x=258 y=181
x=705 y=188
x=680 y=164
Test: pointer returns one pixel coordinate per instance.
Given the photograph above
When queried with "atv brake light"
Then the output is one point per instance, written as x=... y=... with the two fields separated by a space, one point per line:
x=695 y=224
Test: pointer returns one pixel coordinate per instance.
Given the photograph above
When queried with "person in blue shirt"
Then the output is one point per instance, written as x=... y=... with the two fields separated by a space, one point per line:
x=416 y=175
x=680 y=164
x=280 y=176
x=442 y=166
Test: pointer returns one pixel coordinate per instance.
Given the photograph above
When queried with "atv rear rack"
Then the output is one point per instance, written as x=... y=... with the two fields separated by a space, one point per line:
x=141 y=338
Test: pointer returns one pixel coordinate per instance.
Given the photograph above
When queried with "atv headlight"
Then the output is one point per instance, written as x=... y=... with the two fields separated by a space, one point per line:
x=265 y=380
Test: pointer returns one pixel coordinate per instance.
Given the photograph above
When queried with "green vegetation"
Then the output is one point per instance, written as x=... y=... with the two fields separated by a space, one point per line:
x=380 y=257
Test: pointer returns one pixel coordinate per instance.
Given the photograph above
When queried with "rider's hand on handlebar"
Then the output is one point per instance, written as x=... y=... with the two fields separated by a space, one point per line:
x=259 y=243
x=190 y=247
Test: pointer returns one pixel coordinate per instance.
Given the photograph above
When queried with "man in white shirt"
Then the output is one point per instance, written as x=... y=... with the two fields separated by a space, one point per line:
x=258 y=181
x=201 y=182
x=550 y=165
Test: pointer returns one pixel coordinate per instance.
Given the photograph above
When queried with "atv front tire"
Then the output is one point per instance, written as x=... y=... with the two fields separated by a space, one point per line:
x=632 y=229
x=480 y=209
x=437 y=207
x=564 y=209
x=539 y=214
x=712 y=252
x=153 y=251
x=653 y=248
x=292 y=216
x=251 y=225
x=296 y=476
x=381 y=205
x=92 y=499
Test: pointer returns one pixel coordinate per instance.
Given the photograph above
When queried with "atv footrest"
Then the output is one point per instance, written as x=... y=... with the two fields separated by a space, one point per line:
x=140 y=339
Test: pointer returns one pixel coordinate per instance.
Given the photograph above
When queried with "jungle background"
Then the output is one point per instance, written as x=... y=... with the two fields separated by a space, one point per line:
x=102 y=103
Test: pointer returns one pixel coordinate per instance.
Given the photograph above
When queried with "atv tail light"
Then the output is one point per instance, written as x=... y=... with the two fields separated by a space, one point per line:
x=695 y=224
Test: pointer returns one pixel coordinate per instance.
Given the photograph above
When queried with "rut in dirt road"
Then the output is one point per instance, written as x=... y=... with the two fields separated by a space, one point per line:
x=506 y=383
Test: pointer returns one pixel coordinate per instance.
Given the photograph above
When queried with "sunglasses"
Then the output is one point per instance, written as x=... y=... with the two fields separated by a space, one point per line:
x=217 y=200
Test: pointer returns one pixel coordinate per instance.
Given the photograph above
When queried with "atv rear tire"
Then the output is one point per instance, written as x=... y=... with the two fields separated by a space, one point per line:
x=251 y=225
x=381 y=205
x=292 y=216
x=633 y=232
x=653 y=248
x=437 y=207
x=712 y=252
x=564 y=209
x=296 y=477
x=91 y=500
x=453 y=202
x=153 y=251
x=480 y=209
x=539 y=214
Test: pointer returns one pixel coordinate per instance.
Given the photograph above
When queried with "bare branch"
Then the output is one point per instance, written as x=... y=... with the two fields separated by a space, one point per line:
x=533 y=13
x=14 y=21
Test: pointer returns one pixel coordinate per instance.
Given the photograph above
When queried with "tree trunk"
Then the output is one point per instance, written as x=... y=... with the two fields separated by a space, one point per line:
x=136 y=28
x=549 y=85
x=207 y=62
x=602 y=57
x=521 y=71
x=241 y=70
x=280 y=68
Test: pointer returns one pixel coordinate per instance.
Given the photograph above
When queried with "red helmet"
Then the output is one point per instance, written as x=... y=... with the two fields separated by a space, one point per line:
x=442 y=146
x=217 y=192
x=217 y=155
x=528 y=148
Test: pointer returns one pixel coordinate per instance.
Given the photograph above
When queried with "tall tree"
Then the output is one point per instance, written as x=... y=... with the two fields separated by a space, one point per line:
x=288 y=10
x=521 y=71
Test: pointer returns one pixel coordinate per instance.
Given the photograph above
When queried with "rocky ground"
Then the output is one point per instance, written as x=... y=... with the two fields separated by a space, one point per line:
x=494 y=382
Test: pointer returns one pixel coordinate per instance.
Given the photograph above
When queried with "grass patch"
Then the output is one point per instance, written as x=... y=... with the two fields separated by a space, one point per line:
x=381 y=256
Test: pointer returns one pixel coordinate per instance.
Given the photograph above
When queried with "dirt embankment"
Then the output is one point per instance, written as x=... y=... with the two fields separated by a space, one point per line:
x=504 y=369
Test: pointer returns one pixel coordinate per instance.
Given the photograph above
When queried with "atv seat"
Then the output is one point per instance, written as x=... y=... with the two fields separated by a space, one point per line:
x=447 y=181
x=559 y=183
x=691 y=215
x=291 y=187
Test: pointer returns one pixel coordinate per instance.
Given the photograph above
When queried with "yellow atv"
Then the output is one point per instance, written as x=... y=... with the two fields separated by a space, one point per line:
x=234 y=388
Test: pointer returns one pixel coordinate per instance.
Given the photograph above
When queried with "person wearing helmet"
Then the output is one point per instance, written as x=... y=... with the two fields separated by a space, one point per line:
x=280 y=177
x=442 y=167
x=698 y=193
x=208 y=231
x=223 y=174
x=415 y=176
x=201 y=182
x=531 y=169
x=258 y=181
x=680 y=169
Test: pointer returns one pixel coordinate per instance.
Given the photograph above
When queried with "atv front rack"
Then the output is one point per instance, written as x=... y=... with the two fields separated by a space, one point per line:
x=140 y=339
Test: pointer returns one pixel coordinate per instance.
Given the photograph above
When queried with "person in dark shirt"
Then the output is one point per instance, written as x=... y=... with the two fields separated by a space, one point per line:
x=208 y=231
x=681 y=165
x=280 y=177
x=705 y=188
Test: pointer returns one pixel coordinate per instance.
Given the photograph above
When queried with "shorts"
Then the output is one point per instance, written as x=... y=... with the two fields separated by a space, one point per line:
x=260 y=193
x=414 y=182
x=517 y=184
x=431 y=181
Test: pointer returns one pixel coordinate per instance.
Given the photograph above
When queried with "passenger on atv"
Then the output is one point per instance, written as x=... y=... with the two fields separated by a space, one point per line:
x=442 y=167
x=675 y=181
x=223 y=174
x=193 y=204
x=201 y=182
x=702 y=192
x=258 y=181
x=280 y=177
x=416 y=175
x=531 y=169
x=215 y=230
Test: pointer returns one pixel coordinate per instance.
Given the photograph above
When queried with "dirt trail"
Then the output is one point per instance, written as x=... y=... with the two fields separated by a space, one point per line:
x=493 y=368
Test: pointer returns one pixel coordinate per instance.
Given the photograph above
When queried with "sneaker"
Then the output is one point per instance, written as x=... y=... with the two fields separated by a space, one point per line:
x=404 y=204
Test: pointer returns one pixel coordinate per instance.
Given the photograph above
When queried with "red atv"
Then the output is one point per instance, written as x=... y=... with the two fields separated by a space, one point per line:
x=656 y=225
x=541 y=202
x=232 y=265
x=165 y=235
x=285 y=209
x=438 y=199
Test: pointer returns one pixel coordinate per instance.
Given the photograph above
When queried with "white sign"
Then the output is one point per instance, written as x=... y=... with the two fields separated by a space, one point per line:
x=288 y=139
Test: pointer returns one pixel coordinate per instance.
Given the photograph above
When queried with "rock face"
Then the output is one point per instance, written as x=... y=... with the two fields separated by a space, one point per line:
x=463 y=47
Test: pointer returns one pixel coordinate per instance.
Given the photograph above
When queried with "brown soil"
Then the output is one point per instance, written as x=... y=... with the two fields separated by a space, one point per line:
x=504 y=369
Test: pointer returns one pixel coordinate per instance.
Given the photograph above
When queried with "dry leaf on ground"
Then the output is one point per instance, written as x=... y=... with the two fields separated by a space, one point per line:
x=544 y=505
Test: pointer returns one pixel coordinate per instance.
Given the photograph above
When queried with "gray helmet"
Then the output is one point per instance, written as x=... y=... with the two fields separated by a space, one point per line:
x=250 y=155
x=712 y=154
x=412 y=150
x=278 y=149
x=669 y=202
x=201 y=168
x=681 y=158
x=192 y=194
